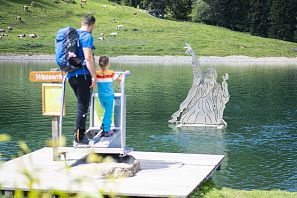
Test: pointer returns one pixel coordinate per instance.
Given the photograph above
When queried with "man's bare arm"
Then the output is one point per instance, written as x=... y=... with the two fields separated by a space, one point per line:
x=90 y=64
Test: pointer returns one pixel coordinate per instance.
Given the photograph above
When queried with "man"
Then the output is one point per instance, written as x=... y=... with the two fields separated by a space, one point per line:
x=82 y=81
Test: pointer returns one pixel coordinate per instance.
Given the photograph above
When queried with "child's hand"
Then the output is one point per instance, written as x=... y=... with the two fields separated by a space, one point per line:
x=127 y=73
x=119 y=79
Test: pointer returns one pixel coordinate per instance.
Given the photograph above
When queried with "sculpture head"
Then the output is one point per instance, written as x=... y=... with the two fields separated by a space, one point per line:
x=209 y=79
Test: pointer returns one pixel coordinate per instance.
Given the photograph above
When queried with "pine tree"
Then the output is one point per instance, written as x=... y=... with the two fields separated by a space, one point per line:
x=259 y=17
x=238 y=19
x=283 y=22
x=218 y=11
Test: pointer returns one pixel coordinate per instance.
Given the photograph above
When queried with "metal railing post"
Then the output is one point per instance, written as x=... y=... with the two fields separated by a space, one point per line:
x=62 y=110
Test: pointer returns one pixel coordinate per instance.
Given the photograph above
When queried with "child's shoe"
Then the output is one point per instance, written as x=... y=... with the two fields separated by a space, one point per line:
x=108 y=134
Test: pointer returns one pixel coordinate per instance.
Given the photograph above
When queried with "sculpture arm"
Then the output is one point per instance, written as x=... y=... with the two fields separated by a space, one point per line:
x=195 y=62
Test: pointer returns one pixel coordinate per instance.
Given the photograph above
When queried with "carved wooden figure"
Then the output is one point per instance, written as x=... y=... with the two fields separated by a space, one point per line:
x=206 y=100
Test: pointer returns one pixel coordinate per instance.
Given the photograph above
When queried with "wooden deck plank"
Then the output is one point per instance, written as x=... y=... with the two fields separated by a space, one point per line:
x=161 y=174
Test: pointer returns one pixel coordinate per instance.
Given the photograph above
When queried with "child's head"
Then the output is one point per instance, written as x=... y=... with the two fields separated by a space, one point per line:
x=103 y=62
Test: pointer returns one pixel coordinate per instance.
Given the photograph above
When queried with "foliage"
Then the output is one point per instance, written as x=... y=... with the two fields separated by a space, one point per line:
x=179 y=9
x=283 y=20
x=201 y=12
x=266 y=18
x=259 y=17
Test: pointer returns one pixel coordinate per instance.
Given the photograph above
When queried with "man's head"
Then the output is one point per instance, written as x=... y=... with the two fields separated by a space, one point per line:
x=88 y=22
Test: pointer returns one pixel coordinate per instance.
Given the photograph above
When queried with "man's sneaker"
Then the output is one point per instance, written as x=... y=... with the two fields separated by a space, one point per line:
x=108 y=134
x=79 y=135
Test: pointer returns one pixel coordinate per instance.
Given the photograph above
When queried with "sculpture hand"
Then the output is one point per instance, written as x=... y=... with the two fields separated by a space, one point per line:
x=225 y=76
x=189 y=49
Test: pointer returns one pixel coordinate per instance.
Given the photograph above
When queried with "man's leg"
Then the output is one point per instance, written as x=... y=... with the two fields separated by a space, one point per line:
x=83 y=101
x=73 y=84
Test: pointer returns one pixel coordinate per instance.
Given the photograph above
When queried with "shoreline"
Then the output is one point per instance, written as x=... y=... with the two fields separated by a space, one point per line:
x=168 y=60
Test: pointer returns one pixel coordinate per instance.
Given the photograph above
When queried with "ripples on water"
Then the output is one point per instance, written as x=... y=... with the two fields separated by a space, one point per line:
x=259 y=143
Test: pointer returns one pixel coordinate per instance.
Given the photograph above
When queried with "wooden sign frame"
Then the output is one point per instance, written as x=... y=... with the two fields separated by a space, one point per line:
x=46 y=76
x=51 y=99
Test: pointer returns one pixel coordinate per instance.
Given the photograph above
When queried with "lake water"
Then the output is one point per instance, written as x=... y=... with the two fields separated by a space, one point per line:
x=259 y=144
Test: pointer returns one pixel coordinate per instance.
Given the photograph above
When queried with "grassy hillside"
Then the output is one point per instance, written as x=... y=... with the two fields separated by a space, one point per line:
x=154 y=36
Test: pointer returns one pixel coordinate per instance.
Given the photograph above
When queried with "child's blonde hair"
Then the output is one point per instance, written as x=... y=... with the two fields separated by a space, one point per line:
x=103 y=62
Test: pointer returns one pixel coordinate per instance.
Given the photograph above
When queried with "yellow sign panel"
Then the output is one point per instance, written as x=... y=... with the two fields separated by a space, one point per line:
x=51 y=99
x=46 y=76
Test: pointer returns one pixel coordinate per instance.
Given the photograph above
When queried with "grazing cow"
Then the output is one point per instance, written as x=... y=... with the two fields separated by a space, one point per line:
x=83 y=1
x=9 y=29
x=25 y=8
x=114 y=34
x=135 y=13
x=114 y=21
x=120 y=27
x=18 y=18
x=104 y=6
x=33 y=35
x=2 y=35
x=2 y=30
x=22 y=35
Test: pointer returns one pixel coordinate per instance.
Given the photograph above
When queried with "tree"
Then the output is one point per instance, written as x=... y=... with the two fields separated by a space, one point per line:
x=201 y=12
x=237 y=18
x=283 y=21
x=259 y=17
x=218 y=11
x=179 y=9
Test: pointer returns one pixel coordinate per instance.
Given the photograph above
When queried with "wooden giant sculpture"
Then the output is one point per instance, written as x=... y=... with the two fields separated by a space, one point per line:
x=206 y=100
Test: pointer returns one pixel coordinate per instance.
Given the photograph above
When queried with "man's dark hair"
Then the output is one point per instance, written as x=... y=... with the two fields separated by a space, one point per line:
x=88 y=20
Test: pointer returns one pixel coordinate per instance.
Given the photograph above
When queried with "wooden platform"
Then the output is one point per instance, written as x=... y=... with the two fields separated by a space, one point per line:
x=161 y=174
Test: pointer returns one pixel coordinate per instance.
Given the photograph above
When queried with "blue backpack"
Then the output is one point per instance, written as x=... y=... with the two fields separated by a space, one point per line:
x=66 y=48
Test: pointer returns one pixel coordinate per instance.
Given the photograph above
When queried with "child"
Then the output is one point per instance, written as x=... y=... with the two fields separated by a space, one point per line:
x=105 y=77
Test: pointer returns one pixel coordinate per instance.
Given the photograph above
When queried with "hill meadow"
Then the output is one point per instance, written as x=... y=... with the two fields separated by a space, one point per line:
x=141 y=34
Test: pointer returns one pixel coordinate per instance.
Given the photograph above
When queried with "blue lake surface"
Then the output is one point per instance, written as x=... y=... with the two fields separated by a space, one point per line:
x=259 y=144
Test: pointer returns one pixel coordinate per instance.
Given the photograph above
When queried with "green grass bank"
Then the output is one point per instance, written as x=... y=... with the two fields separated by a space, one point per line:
x=209 y=190
x=142 y=33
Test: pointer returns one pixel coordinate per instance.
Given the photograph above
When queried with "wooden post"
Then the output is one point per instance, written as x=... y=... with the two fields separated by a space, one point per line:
x=55 y=137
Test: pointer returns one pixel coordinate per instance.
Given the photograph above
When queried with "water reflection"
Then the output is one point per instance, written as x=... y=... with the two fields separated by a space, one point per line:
x=200 y=139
